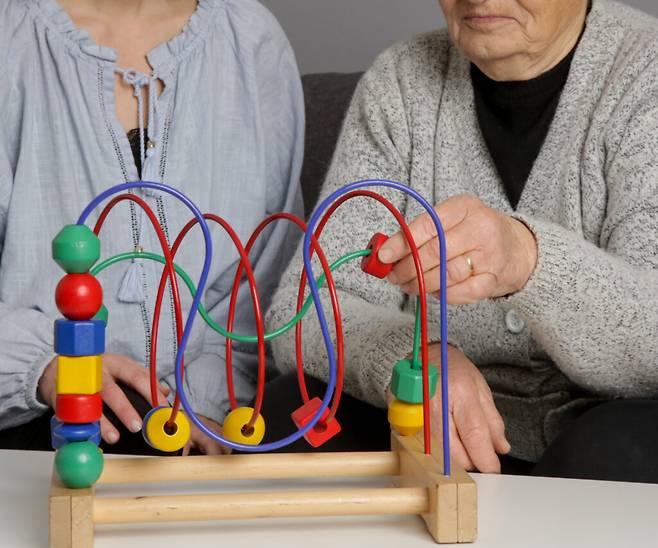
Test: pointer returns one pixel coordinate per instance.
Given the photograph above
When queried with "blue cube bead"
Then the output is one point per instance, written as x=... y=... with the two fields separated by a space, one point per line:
x=62 y=433
x=79 y=338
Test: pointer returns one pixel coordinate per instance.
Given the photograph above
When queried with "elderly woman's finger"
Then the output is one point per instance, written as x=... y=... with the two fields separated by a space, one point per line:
x=474 y=433
x=495 y=421
x=404 y=270
x=462 y=239
x=476 y=288
x=497 y=429
x=458 y=270
x=451 y=213
x=457 y=450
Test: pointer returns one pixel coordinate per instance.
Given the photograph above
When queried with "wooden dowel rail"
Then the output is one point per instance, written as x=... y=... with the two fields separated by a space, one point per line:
x=222 y=506
x=257 y=466
x=447 y=504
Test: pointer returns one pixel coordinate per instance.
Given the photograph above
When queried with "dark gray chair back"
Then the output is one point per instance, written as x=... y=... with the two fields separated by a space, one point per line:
x=327 y=98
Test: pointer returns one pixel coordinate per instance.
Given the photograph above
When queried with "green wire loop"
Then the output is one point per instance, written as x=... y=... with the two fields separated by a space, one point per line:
x=415 y=360
x=202 y=311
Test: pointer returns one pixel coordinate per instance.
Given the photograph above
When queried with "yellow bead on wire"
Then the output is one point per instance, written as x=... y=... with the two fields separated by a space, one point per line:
x=405 y=418
x=160 y=436
x=235 y=427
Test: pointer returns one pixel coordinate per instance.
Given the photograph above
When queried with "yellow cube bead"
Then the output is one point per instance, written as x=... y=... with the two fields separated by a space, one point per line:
x=406 y=418
x=79 y=375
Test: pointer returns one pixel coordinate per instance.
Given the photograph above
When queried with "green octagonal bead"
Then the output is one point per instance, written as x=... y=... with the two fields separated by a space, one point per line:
x=79 y=464
x=407 y=382
x=76 y=248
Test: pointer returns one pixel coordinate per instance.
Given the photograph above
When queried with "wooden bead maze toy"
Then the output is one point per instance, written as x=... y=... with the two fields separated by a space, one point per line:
x=425 y=482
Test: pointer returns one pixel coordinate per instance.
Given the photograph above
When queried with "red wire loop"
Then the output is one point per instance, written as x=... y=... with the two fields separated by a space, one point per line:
x=421 y=292
x=334 y=303
x=167 y=273
x=260 y=330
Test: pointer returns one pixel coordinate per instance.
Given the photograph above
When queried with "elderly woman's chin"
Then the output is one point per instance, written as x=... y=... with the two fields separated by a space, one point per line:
x=490 y=46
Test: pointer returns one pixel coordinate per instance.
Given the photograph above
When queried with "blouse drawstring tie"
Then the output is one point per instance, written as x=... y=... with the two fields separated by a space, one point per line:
x=131 y=289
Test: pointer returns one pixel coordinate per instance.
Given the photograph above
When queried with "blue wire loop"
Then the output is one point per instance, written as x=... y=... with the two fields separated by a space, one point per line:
x=331 y=385
x=443 y=304
x=192 y=315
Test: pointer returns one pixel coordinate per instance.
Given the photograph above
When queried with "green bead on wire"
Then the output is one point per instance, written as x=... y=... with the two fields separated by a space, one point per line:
x=79 y=464
x=76 y=249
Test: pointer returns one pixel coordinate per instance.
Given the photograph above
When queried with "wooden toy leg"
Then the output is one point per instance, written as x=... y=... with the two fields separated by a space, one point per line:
x=452 y=515
x=71 y=516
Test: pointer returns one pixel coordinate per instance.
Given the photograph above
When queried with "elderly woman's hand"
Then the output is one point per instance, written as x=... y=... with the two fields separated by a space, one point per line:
x=489 y=254
x=477 y=431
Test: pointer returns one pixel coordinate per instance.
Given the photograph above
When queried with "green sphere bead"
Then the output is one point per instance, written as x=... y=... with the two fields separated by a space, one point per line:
x=79 y=464
x=76 y=248
x=407 y=382
x=102 y=314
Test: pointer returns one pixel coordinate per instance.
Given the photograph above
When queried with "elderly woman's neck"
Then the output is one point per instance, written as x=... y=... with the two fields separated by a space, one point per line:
x=536 y=60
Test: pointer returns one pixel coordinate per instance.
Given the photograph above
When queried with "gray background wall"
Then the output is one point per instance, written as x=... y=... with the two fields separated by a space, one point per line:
x=346 y=35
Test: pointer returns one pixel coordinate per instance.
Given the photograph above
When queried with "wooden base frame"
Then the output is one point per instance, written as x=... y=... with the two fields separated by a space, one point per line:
x=447 y=504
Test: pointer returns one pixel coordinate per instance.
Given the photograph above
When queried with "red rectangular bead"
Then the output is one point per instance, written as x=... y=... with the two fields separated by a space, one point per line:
x=371 y=264
x=320 y=433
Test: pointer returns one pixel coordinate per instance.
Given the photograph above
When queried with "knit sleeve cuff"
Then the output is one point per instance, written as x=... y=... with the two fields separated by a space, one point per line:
x=556 y=273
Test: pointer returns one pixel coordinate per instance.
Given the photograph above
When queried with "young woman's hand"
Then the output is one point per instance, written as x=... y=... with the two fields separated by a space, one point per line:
x=116 y=368
x=488 y=253
x=202 y=443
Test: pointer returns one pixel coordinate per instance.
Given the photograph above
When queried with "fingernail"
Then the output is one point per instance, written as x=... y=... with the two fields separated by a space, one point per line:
x=385 y=255
x=135 y=425
x=393 y=278
x=112 y=437
x=165 y=388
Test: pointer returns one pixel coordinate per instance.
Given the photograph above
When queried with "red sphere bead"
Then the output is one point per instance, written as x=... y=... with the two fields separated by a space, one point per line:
x=79 y=296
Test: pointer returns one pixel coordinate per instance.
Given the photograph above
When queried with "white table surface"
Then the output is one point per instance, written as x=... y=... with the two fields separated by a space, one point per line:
x=513 y=512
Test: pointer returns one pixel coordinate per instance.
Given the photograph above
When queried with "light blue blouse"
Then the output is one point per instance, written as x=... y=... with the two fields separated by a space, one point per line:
x=227 y=130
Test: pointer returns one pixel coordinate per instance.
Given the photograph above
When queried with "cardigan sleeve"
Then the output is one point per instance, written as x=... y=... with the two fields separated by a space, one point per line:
x=594 y=308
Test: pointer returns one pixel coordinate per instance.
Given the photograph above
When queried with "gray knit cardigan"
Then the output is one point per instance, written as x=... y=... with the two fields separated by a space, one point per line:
x=585 y=327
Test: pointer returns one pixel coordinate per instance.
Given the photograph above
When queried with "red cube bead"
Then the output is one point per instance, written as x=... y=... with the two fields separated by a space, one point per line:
x=371 y=264
x=79 y=408
x=79 y=296
x=321 y=431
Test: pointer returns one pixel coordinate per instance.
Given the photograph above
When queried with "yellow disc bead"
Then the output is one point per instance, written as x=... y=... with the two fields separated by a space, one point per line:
x=235 y=423
x=406 y=418
x=158 y=436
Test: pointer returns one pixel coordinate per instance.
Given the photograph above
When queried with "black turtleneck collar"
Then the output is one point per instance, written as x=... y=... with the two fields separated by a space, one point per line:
x=515 y=117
